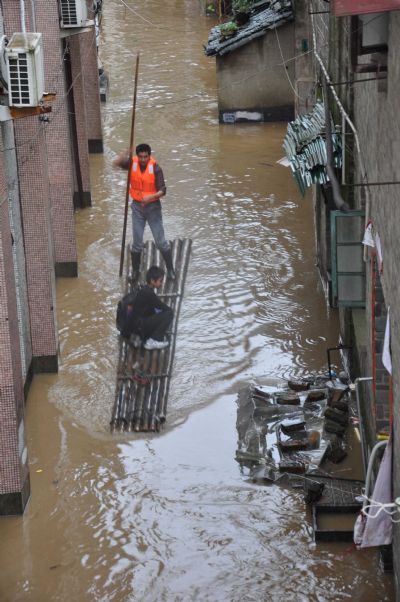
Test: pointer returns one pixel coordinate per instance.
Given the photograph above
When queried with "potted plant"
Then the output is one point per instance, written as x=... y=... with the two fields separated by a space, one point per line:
x=228 y=29
x=241 y=10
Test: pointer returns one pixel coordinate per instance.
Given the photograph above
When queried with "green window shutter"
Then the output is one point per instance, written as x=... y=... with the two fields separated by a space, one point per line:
x=347 y=264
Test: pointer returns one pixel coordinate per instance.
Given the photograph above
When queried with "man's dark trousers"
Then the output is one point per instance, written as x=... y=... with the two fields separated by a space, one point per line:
x=156 y=326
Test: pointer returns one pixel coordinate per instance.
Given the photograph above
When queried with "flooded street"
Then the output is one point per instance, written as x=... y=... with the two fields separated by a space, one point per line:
x=169 y=517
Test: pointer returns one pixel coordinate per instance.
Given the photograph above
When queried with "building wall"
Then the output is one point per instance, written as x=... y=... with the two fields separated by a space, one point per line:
x=373 y=107
x=38 y=241
x=10 y=175
x=38 y=164
x=59 y=157
x=376 y=113
x=34 y=191
x=14 y=476
x=270 y=90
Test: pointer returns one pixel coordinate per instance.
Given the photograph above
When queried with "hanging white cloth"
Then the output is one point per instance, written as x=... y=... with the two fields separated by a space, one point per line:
x=378 y=529
x=379 y=252
x=368 y=236
x=386 y=353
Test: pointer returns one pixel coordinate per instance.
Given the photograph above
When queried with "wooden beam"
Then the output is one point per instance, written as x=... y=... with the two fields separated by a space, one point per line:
x=21 y=112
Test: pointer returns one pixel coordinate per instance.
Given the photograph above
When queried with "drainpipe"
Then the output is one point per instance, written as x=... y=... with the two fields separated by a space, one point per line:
x=33 y=14
x=337 y=194
x=356 y=383
x=22 y=14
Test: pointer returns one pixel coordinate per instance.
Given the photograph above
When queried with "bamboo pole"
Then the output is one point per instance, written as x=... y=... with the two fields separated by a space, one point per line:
x=133 y=366
x=119 y=388
x=121 y=263
x=141 y=393
x=152 y=387
x=162 y=402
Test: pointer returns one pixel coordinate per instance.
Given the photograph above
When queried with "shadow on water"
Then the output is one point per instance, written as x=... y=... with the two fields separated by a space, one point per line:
x=170 y=517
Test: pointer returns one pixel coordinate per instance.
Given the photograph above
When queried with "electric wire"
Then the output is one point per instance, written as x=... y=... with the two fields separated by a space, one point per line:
x=284 y=66
x=242 y=80
x=137 y=14
x=360 y=156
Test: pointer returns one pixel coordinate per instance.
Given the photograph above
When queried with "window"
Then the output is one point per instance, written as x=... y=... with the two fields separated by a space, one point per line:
x=370 y=42
x=347 y=264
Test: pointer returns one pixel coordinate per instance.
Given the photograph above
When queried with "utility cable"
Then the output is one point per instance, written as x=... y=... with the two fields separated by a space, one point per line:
x=285 y=68
x=137 y=14
x=360 y=157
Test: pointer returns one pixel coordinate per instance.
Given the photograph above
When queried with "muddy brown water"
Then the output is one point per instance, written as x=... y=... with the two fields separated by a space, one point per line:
x=169 y=517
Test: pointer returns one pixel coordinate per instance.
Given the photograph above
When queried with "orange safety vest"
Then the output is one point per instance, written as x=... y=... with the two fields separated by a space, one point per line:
x=142 y=182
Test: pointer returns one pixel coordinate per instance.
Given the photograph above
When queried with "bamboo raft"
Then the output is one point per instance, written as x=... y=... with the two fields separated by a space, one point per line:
x=143 y=377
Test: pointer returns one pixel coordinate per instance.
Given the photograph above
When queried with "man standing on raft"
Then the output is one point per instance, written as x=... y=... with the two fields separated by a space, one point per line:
x=147 y=187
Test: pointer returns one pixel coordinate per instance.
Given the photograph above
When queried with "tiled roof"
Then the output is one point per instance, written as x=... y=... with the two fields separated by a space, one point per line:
x=275 y=14
x=305 y=148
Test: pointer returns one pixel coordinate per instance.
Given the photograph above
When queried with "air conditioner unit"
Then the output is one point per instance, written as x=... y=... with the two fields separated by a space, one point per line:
x=24 y=56
x=73 y=13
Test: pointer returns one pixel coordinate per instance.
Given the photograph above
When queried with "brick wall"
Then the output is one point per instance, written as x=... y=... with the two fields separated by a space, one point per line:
x=35 y=206
x=42 y=169
x=376 y=114
x=92 y=91
x=14 y=477
x=374 y=110
x=9 y=173
x=59 y=156
x=34 y=192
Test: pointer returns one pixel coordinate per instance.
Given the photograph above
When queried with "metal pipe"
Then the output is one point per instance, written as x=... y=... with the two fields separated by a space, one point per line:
x=350 y=82
x=22 y=15
x=330 y=169
x=394 y=183
x=343 y=150
x=33 y=14
x=356 y=384
x=1 y=21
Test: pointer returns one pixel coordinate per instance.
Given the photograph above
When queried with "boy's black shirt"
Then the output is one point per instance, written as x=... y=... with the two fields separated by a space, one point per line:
x=146 y=303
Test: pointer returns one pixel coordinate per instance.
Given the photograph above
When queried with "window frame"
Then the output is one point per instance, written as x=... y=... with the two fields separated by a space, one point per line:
x=335 y=273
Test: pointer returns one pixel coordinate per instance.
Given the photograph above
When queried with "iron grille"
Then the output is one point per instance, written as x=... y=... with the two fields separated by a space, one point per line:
x=19 y=79
x=69 y=14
